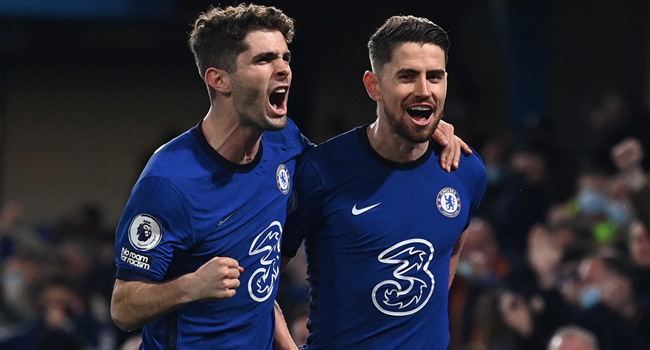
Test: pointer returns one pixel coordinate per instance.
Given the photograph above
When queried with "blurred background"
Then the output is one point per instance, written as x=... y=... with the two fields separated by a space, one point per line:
x=543 y=90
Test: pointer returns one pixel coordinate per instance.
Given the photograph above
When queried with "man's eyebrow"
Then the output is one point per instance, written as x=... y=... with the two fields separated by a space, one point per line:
x=416 y=72
x=436 y=72
x=271 y=56
x=408 y=71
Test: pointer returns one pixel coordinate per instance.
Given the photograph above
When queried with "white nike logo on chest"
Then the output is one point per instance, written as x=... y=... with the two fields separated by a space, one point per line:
x=360 y=211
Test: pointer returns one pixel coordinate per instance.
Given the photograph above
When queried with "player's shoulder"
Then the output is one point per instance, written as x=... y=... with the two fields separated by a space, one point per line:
x=172 y=157
x=471 y=165
x=290 y=138
x=336 y=146
x=473 y=159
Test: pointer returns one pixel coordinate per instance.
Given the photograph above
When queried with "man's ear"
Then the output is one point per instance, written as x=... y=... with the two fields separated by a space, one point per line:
x=371 y=81
x=218 y=79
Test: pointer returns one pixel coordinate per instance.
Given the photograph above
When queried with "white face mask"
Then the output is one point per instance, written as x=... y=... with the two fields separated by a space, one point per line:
x=591 y=201
x=13 y=284
x=465 y=269
x=589 y=296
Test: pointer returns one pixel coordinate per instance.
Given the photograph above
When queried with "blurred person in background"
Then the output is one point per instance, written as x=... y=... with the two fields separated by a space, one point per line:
x=573 y=338
x=627 y=156
x=639 y=251
x=608 y=302
x=474 y=319
x=542 y=293
x=18 y=275
x=519 y=204
x=535 y=303
x=612 y=120
x=63 y=321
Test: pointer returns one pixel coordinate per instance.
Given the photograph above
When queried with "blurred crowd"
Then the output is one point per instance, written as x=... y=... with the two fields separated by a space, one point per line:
x=56 y=282
x=557 y=257
x=550 y=266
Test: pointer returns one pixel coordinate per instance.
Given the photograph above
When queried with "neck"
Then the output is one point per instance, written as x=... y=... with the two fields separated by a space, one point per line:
x=233 y=141
x=392 y=146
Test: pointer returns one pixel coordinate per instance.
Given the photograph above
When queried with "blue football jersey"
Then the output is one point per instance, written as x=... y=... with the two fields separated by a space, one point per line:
x=379 y=237
x=189 y=205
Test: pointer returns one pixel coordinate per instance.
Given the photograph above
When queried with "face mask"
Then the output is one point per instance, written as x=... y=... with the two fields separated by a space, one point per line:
x=12 y=284
x=592 y=201
x=617 y=212
x=465 y=269
x=589 y=296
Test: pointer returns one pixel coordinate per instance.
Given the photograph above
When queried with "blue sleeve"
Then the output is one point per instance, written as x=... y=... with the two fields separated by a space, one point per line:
x=303 y=142
x=304 y=207
x=480 y=183
x=155 y=224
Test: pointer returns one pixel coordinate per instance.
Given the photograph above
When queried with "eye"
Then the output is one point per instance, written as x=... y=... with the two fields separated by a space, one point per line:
x=435 y=78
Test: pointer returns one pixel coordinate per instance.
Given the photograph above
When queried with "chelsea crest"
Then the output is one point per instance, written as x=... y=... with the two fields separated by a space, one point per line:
x=448 y=202
x=283 y=179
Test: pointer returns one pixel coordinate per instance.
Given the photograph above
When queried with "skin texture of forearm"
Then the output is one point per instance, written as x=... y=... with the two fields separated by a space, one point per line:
x=453 y=264
x=455 y=256
x=283 y=340
x=135 y=304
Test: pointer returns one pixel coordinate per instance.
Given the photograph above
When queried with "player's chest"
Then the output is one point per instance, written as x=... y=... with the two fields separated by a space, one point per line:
x=244 y=206
x=403 y=204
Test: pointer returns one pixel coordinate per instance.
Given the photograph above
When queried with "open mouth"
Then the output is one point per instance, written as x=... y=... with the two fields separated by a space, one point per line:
x=420 y=114
x=278 y=99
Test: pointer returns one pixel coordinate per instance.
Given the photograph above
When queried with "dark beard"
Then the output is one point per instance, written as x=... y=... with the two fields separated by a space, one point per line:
x=400 y=129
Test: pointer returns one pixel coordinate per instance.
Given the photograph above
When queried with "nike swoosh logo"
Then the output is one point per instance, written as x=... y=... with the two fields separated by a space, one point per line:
x=356 y=211
x=226 y=218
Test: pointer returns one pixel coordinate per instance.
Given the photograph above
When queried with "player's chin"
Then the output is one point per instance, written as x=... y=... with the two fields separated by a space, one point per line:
x=422 y=134
x=276 y=122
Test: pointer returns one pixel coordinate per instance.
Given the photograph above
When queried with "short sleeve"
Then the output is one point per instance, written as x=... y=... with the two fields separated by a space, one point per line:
x=304 y=208
x=155 y=224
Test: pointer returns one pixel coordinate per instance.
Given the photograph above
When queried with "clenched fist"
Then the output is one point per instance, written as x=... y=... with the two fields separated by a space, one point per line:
x=216 y=279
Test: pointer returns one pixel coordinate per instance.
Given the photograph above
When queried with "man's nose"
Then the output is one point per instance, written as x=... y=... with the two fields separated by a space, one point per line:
x=422 y=87
x=282 y=69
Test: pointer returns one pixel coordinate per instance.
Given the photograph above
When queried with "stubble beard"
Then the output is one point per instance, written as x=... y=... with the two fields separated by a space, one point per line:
x=250 y=107
x=399 y=127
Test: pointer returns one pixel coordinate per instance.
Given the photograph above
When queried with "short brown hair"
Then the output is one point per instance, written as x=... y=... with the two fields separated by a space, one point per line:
x=218 y=34
x=402 y=29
